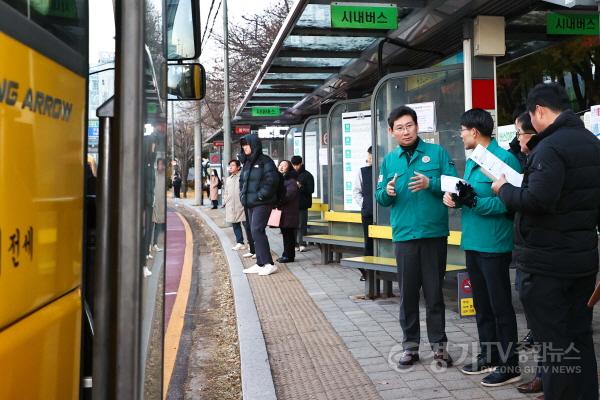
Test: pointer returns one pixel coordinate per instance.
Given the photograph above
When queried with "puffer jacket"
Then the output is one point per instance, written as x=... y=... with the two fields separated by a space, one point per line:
x=307 y=188
x=290 y=218
x=259 y=178
x=558 y=204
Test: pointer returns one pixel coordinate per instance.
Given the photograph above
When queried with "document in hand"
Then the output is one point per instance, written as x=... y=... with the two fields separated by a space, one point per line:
x=448 y=183
x=493 y=167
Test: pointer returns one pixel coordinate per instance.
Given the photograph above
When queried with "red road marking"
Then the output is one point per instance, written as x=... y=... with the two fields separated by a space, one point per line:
x=175 y=254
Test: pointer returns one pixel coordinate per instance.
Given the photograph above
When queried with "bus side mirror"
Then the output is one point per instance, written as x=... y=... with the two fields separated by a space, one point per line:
x=183 y=27
x=186 y=82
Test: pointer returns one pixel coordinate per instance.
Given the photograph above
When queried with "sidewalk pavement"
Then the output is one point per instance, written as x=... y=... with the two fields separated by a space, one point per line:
x=370 y=332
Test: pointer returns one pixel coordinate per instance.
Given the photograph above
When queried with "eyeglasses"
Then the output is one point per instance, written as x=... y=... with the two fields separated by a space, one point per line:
x=525 y=133
x=407 y=127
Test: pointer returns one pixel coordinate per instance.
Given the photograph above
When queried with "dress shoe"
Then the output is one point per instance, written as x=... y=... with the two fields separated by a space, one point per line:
x=285 y=260
x=443 y=359
x=407 y=359
x=534 y=386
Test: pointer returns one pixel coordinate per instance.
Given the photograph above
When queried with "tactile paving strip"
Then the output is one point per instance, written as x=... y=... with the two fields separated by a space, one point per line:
x=308 y=359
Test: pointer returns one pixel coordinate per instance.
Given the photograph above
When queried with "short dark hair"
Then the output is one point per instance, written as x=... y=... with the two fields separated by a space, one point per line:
x=236 y=162
x=296 y=160
x=478 y=119
x=520 y=109
x=401 y=112
x=370 y=150
x=549 y=95
x=525 y=121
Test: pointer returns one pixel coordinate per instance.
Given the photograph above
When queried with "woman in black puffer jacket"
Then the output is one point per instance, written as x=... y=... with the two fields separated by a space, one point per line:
x=289 y=211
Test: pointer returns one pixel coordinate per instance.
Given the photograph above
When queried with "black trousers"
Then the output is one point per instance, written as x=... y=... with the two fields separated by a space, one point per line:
x=302 y=226
x=422 y=263
x=496 y=320
x=259 y=216
x=246 y=224
x=215 y=203
x=366 y=221
x=177 y=191
x=289 y=242
x=562 y=325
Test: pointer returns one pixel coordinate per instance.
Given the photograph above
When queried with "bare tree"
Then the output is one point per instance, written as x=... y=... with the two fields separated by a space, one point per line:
x=183 y=137
x=249 y=44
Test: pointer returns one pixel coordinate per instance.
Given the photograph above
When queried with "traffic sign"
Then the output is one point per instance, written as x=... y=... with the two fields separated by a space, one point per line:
x=364 y=16
x=573 y=24
x=266 y=111
x=218 y=143
x=242 y=129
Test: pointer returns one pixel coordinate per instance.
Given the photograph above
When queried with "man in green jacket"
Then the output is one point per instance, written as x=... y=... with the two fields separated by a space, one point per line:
x=487 y=239
x=409 y=182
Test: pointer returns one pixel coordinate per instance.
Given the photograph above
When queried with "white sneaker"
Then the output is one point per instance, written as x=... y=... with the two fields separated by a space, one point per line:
x=150 y=256
x=301 y=249
x=297 y=248
x=238 y=246
x=253 y=269
x=254 y=256
x=155 y=247
x=247 y=255
x=147 y=272
x=268 y=269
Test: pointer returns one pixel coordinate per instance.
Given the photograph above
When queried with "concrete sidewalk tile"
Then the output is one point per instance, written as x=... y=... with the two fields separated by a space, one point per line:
x=467 y=394
x=397 y=394
x=432 y=392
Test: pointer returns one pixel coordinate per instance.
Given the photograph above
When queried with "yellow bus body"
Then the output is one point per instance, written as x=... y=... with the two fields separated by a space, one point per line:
x=42 y=111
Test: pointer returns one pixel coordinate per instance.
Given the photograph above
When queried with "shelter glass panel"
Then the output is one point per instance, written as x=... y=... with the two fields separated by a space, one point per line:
x=342 y=180
x=332 y=43
x=289 y=149
x=312 y=135
x=310 y=62
x=445 y=88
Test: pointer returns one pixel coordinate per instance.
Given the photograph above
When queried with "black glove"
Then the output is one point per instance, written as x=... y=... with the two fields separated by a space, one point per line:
x=466 y=194
x=456 y=200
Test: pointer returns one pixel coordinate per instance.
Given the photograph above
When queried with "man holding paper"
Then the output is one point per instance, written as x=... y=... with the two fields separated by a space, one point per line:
x=409 y=182
x=556 y=242
x=487 y=240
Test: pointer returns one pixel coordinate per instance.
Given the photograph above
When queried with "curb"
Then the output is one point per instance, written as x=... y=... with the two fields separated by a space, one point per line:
x=257 y=380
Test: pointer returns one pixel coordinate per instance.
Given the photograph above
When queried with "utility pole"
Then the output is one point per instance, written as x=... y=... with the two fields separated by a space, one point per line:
x=226 y=111
x=198 y=157
x=172 y=133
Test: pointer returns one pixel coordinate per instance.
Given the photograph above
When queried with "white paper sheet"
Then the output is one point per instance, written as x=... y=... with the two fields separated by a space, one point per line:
x=448 y=183
x=493 y=167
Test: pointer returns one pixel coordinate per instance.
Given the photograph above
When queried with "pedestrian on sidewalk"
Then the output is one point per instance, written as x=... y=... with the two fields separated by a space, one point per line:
x=215 y=185
x=289 y=211
x=409 y=182
x=525 y=131
x=487 y=239
x=259 y=182
x=556 y=241
x=306 y=185
x=363 y=196
x=234 y=211
x=176 y=185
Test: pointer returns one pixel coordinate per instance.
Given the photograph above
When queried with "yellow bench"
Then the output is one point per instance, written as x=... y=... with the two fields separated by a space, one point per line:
x=386 y=265
x=385 y=232
x=328 y=243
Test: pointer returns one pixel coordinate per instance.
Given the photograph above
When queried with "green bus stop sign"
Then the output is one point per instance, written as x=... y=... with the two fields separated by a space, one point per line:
x=364 y=16
x=573 y=24
x=266 y=111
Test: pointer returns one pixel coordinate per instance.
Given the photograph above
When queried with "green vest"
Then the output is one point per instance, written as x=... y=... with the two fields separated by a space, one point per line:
x=422 y=214
x=487 y=227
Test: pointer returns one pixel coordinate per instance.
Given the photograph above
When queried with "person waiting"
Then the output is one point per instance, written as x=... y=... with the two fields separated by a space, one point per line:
x=289 y=211
x=363 y=196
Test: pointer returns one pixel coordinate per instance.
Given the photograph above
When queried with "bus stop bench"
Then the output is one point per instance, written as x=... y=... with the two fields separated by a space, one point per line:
x=336 y=243
x=317 y=226
x=384 y=268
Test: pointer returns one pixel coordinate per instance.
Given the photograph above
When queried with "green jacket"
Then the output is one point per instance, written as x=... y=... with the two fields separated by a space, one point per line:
x=422 y=214
x=487 y=227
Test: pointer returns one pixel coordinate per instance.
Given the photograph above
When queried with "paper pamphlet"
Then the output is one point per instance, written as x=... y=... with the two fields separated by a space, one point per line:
x=493 y=167
x=448 y=183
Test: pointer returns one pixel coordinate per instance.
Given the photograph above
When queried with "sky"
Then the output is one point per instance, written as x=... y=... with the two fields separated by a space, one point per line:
x=102 y=29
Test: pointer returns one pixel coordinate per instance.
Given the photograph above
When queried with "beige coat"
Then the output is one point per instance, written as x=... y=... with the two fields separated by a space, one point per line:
x=214 y=188
x=234 y=211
